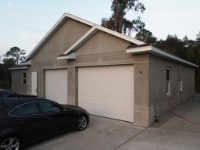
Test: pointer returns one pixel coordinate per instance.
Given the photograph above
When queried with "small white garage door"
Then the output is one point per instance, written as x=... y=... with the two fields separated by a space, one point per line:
x=56 y=85
x=107 y=91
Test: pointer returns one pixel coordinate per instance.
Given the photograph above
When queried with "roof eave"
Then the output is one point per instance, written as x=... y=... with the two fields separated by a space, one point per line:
x=67 y=57
x=158 y=52
x=81 y=41
x=58 y=24
x=18 y=68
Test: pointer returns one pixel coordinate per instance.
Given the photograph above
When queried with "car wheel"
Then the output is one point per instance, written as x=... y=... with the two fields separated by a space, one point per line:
x=10 y=143
x=82 y=123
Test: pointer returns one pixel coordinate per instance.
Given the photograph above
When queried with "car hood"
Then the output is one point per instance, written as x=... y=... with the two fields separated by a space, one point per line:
x=24 y=95
x=73 y=107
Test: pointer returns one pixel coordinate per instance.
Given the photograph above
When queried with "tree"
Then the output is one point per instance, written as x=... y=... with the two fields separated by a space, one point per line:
x=8 y=62
x=118 y=22
x=173 y=45
x=17 y=54
x=5 y=75
x=146 y=36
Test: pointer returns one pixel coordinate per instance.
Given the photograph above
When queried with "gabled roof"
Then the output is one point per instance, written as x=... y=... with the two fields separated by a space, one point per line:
x=93 y=30
x=60 y=22
x=156 y=51
x=84 y=38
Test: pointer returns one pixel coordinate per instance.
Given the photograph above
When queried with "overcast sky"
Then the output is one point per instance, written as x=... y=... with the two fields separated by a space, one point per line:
x=24 y=22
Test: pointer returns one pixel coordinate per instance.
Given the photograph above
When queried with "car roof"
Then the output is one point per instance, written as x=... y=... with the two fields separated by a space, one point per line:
x=4 y=90
x=10 y=102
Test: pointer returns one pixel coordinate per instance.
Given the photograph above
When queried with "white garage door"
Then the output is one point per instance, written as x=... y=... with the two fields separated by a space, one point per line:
x=56 y=85
x=107 y=91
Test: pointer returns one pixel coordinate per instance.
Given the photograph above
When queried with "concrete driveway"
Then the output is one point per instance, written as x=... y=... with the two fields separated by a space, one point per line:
x=177 y=129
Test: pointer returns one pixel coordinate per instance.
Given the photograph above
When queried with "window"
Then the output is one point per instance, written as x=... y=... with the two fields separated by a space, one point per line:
x=167 y=81
x=24 y=78
x=26 y=109
x=49 y=107
x=181 y=81
x=181 y=85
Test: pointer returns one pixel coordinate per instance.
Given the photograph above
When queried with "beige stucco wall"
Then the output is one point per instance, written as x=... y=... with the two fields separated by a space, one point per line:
x=157 y=83
x=101 y=49
x=104 y=49
x=46 y=57
x=17 y=82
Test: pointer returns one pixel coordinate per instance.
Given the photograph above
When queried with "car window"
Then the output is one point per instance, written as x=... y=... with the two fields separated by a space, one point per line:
x=49 y=107
x=26 y=109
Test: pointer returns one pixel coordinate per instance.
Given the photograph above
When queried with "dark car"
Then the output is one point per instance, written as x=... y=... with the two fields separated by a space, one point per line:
x=27 y=120
x=10 y=94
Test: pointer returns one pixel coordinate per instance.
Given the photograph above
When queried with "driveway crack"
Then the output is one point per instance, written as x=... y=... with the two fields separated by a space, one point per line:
x=131 y=138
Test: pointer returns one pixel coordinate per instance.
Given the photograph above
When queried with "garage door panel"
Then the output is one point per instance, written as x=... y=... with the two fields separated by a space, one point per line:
x=56 y=85
x=107 y=91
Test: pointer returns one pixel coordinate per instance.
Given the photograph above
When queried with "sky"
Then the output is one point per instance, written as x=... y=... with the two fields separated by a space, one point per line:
x=23 y=23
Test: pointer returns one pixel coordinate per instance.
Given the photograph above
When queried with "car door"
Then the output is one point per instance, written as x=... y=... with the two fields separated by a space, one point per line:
x=54 y=119
x=29 y=120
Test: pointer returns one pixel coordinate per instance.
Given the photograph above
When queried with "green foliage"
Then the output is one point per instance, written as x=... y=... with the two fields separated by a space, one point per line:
x=118 y=22
x=173 y=45
x=184 y=48
x=11 y=59
x=8 y=62
x=5 y=77
x=146 y=36
x=16 y=53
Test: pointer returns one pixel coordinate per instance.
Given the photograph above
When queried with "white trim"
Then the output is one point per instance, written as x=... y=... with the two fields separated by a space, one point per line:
x=181 y=85
x=93 y=30
x=26 y=63
x=68 y=57
x=154 y=50
x=18 y=68
x=168 y=88
x=54 y=28
x=119 y=35
x=84 y=38
x=23 y=78
x=79 y=19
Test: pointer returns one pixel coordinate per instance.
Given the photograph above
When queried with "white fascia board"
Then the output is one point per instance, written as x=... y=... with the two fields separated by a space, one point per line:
x=68 y=57
x=18 y=68
x=93 y=30
x=154 y=50
x=78 y=19
x=55 y=27
x=119 y=35
x=139 y=49
x=44 y=39
x=82 y=40
x=26 y=63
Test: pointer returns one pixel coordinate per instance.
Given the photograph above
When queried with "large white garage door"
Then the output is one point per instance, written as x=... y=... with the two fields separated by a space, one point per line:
x=56 y=85
x=107 y=91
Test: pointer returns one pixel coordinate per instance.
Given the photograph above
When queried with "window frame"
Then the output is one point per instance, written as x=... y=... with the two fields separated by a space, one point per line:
x=24 y=78
x=43 y=112
x=181 y=81
x=21 y=105
x=168 y=83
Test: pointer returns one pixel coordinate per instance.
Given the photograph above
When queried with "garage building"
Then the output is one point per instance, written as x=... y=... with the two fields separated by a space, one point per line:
x=109 y=74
